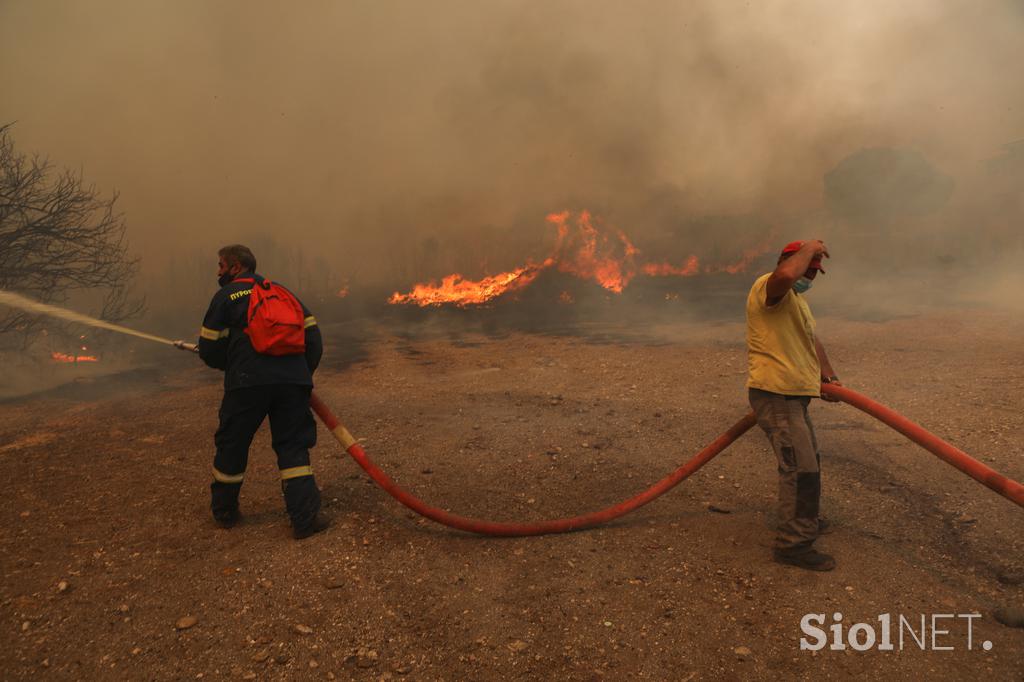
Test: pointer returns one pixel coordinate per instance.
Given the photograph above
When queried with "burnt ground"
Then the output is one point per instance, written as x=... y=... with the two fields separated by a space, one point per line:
x=107 y=542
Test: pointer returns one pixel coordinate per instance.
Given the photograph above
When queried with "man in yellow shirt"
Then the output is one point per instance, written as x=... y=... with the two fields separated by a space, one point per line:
x=787 y=366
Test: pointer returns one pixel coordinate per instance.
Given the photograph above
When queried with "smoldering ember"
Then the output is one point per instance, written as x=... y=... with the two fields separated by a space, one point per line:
x=505 y=340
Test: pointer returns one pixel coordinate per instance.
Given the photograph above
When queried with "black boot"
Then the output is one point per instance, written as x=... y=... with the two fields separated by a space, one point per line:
x=318 y=524
x=228 y=519
x=808 y=559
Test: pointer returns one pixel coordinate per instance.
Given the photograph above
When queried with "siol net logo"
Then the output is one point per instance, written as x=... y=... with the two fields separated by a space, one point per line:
x=937 y=632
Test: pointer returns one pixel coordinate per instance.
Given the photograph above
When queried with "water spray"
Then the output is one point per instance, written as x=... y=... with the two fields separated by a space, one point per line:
x=28 y=305
x=1007 y=487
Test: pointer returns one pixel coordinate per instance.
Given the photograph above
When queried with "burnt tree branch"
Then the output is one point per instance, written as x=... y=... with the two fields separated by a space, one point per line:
x=58 y=236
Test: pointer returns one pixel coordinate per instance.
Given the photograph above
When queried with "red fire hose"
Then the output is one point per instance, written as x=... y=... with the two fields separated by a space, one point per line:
x=1007 y=487
x=520 y=529
x=1004 y=486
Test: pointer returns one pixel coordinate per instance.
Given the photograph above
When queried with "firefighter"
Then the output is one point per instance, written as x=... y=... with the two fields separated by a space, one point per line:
x=788 y=364
x=258 y=385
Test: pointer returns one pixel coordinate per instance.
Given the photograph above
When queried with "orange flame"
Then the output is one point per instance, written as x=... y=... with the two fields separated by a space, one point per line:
x=688 y=269
x=692 y=265
x=461 y=291
x=64 y=357
x=585 y=248
x=592 y=254
x=749 y=256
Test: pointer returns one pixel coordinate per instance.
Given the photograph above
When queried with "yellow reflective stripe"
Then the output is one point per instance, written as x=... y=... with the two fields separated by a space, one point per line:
x=227 y=478
x=213 y=334
x=295 y=472
x=310 y=321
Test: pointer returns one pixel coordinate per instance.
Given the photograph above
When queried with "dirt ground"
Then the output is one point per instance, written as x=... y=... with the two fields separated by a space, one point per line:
x=107 y=542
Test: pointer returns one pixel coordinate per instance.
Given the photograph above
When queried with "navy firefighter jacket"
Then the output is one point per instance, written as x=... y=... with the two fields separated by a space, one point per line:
x=223 y=343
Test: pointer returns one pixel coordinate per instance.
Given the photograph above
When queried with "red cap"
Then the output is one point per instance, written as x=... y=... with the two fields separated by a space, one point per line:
x=793 y=247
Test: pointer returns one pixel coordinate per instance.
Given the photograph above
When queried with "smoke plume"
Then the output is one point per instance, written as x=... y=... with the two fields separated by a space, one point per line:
x=377 y=144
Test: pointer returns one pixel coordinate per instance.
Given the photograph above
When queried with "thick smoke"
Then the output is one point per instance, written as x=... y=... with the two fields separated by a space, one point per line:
x=375 y=144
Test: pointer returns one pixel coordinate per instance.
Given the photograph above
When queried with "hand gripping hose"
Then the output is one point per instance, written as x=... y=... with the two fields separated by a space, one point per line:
x=1006 y=487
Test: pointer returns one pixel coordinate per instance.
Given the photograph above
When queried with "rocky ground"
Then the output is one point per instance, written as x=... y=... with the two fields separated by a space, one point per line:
x=113 y=569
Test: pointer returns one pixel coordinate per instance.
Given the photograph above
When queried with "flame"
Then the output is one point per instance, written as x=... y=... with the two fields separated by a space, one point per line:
x=690 y=268
x=461 y=291
x=589 y=253
x=64 y=357
x=749 y=256
x=693 y=267
x=586 y=248
x=342 y=292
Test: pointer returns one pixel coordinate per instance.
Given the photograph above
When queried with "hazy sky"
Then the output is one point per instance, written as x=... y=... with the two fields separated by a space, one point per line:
x=360 y=128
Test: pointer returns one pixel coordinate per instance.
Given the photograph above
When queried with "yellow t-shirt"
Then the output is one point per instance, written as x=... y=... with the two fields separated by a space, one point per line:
x=780 y=343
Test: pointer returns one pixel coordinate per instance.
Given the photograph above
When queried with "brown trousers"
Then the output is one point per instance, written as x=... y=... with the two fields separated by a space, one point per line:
x=788 y=426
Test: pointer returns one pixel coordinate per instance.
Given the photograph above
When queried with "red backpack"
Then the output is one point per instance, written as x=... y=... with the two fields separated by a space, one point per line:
x=276 y=321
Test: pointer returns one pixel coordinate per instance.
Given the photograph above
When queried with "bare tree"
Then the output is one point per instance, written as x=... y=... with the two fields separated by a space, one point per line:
x=59 y=236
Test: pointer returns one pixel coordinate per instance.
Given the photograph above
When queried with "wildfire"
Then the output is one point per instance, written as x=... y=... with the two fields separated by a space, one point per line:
x=64 y=357
x=461 y=291
x=749 y=256
x=690 y=268
x=589 y=254
x=584 y=248
x=693 y=267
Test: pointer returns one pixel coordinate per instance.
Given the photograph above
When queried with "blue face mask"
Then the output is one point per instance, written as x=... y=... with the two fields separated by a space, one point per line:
x=801 y=285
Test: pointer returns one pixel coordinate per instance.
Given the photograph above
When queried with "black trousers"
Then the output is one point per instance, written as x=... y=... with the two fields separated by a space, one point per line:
x=293 y=432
